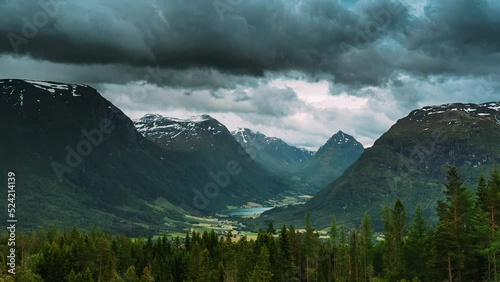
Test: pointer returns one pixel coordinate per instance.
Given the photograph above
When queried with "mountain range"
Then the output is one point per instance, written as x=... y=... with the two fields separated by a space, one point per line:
x=81 y=161
x=308 y=171
x=227 y=173
x=408 y=162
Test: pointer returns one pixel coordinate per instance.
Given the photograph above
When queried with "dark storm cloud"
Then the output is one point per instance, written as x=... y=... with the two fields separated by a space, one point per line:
x=196 y=44
x=255 y=37
x=455 y=38
x=194 y=78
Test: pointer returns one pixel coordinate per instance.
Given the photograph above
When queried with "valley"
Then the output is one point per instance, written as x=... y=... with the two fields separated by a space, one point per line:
x=250 y=141
x=147 y=175
x=178 y=181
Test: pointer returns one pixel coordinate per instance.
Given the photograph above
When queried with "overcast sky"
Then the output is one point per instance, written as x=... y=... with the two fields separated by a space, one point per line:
x=296 y=69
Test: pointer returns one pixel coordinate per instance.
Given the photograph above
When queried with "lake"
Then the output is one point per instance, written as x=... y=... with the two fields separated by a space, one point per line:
x=246 y=211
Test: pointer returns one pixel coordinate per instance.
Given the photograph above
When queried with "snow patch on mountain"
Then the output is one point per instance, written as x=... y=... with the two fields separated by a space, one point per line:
x=59 y=88
x=48 y=86
x=240 y=132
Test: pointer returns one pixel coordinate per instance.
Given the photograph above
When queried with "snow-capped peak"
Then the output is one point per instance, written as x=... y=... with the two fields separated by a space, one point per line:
x=340 y=138
x=176 y=132
x=490 y=109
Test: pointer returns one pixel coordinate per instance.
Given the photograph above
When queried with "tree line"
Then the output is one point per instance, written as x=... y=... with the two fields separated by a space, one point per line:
x=463 y=246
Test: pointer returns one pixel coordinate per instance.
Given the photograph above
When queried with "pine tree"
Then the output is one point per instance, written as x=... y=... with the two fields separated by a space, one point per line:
x=488 y=195
x=200 y=268
x=262 y=270
x=311 y=242
x=395 y=233
x=332 y=246
x=452 y=243
x=87 y=276
x=482 y=193
x=275 y=257
x=286 y=251
x=342 y=262
x=146 y=275
x=244 y=259
x=130 y=275
x=187 y=242
x=417 y=248
x=366 y=247
x=270 y=229
x=494 y=213
x=27 y=275
x=295 y=253
x=354 y=257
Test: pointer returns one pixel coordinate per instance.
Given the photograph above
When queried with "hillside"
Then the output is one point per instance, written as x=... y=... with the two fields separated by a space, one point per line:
x=79 y=160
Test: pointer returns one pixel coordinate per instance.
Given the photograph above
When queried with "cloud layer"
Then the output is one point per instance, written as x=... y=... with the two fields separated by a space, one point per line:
x=355 y=42
x=299 y=69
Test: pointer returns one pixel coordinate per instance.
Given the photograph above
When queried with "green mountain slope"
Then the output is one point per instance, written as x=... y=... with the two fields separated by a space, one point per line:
x=332 y=159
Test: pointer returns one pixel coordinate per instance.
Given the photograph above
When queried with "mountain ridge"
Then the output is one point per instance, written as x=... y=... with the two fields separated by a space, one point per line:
x=307 y=171
x=409 y=162
x=208 y=146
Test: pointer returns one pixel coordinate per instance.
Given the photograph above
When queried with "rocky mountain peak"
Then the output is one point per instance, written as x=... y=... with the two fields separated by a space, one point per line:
x=183 y=134
x=340 y=139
